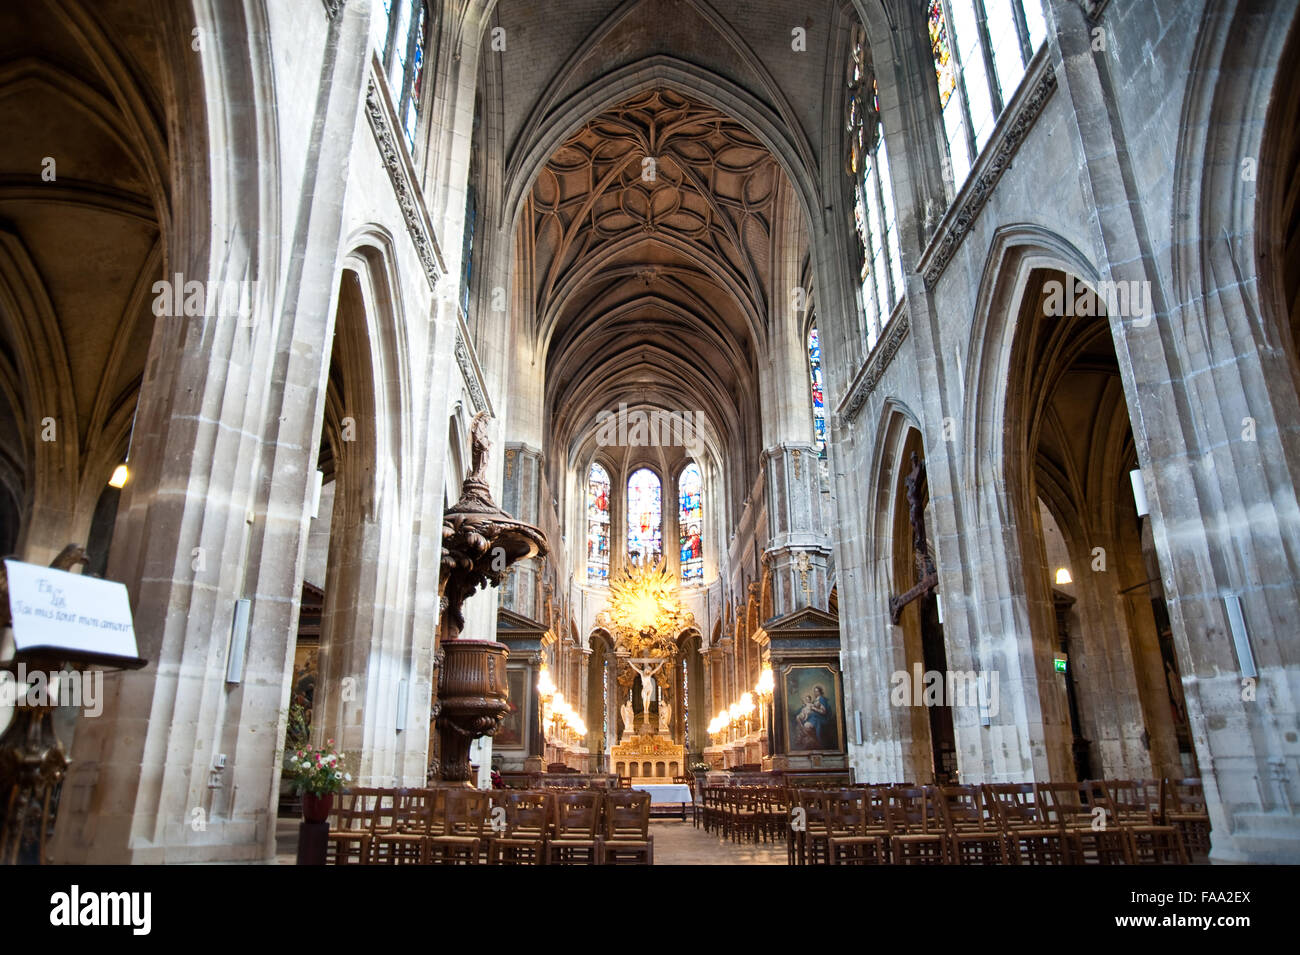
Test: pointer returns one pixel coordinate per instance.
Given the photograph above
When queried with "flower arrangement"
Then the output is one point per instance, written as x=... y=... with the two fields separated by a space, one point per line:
x=700 y=767
x=317 y=771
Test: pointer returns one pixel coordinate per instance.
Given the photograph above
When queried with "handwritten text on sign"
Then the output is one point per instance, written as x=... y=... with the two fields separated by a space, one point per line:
x=53 y=608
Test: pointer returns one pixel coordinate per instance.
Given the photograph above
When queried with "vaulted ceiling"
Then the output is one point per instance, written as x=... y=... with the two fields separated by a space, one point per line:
x=651 y=230
x=82 y=192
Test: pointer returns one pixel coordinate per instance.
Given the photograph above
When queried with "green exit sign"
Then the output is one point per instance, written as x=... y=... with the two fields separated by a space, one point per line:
x=1059 y=663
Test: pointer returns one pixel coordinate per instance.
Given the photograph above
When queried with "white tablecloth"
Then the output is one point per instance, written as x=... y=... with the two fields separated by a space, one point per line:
x=665 y=793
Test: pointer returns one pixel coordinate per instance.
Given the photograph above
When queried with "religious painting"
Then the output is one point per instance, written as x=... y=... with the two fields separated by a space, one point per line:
x=512 y=728
x=812 y=705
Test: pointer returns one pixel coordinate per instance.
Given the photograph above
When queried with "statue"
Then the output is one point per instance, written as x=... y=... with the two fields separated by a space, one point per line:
x=478 y=439
x=628 y=716
x=665 y=718
x=647 y=695
x=915 y=482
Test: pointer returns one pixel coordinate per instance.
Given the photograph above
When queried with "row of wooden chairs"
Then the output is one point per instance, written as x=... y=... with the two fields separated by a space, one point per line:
x=745 y=813
x=1095 y=822
x=513 y=827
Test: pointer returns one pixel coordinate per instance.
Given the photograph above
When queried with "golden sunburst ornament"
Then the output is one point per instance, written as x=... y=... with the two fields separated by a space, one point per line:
x=644 y=610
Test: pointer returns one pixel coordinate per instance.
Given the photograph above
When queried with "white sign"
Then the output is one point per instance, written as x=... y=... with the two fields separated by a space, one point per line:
x=53 y=608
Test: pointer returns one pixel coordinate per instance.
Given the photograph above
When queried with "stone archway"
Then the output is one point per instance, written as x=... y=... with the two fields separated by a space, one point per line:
x=1071 y=450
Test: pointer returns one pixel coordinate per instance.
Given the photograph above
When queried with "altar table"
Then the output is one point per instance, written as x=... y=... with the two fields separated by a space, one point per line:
x=666 y=794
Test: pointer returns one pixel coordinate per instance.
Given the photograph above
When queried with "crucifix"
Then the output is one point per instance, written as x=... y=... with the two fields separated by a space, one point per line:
x=646 y=668
x=916 y=487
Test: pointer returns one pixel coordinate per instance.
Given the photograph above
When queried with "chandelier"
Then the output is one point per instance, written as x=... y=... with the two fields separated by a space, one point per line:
x=644 y=612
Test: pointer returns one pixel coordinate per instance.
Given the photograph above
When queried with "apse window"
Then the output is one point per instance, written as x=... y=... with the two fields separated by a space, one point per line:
x=645 y=544
x=690 y=500
x=597 y=525
x=404 y=30
x=981 y=49
x=880 y=264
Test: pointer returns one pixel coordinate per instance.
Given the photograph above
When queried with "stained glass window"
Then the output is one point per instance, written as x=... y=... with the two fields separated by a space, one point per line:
x=690 y=500
x=945 y=70
x=411 y=113
x=818 y=395
x=981 y=49
x=644 y=517
x=881 y=270
x=403 y=50
x=597 y=524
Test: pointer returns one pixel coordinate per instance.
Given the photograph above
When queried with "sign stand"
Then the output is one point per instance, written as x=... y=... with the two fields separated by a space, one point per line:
x=51 y=646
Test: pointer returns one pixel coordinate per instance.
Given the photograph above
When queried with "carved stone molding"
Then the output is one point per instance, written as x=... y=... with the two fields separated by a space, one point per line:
x=412 y=209
x=1011 y=132
x=880 y=359
x=470 y=373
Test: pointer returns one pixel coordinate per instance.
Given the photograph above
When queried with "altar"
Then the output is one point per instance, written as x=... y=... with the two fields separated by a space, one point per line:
x=667 y=794
x=648 y=756
x=644 y=684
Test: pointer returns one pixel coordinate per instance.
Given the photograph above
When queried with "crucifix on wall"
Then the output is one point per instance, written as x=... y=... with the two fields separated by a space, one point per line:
x=917 y=486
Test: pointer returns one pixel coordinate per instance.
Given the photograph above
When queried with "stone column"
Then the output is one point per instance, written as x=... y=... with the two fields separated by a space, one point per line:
x=799 y=551
x=521 y=497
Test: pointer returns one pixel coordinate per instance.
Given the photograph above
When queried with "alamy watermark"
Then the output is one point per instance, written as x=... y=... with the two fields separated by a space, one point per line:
x=176 y=297
x=946 y=688
x=1075 y=299
x=650 y=429
x=83 y=689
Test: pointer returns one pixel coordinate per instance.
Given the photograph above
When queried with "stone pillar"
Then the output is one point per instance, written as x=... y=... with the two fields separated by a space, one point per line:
x=1222 y=473
x=226 y=438
x=799 y=551
x=521 y=498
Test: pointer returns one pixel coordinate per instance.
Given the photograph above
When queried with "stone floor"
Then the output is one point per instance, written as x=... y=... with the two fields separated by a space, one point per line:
x=676 y=843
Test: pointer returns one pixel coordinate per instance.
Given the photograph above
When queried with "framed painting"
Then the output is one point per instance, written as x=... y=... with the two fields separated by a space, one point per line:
x=812 y=708
x=511 y=732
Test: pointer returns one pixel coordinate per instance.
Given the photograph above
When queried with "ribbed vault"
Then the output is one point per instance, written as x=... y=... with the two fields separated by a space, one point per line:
x=651 y=236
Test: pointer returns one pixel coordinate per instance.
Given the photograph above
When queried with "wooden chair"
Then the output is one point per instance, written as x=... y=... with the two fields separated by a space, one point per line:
x=403 y=844
x=576 y=822
x=774 y=814
x=1183 y=802
x=464 y=822
x=810 y=828
x=1137 y=806
x=392 y=814
x=858 y=824
x=974 y=836
x=1031 y=836
x=627 y=829
x=745 y=813
x=1085 y=812
x=350 y=835
x=625 y=782
x=522 y=841
x=712 y=810
x=917 y=835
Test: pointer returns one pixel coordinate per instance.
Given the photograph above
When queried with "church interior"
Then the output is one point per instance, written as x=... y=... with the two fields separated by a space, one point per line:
x=650 y=431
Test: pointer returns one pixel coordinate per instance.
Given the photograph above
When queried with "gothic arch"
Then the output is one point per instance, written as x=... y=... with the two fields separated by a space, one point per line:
x=785 y=143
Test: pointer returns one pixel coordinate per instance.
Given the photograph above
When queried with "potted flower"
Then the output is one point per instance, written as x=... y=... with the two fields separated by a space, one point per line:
x=317 y=774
